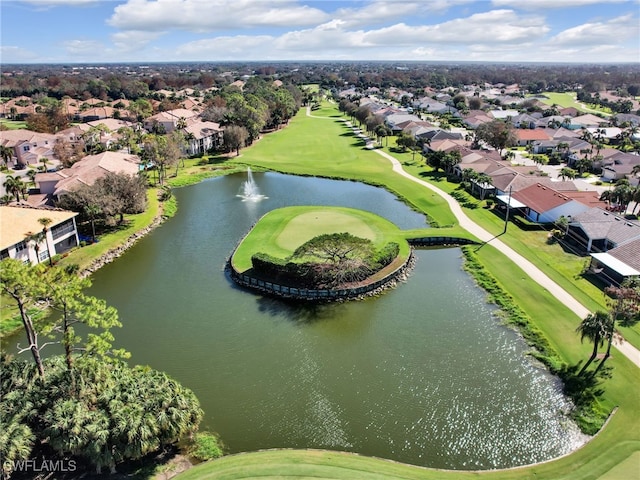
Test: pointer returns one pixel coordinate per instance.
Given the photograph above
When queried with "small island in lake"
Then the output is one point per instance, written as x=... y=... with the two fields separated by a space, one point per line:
x=319 y=253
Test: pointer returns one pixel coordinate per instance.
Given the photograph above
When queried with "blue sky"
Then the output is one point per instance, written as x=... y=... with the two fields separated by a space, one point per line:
x=80 y=31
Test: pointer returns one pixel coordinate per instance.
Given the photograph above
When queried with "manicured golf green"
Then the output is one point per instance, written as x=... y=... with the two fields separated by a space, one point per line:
x=281 y=231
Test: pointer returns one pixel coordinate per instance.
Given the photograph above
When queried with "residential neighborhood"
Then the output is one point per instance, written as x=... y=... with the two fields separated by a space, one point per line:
x=504 y=196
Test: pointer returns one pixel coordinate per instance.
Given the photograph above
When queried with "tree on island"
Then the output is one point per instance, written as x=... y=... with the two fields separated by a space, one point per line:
x=335 y=248
x=327 y=261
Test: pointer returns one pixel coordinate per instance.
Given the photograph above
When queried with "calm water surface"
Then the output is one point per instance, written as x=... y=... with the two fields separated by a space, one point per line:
x=424 y=374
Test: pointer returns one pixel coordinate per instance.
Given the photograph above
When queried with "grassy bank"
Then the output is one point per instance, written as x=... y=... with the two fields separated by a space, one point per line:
x=85 y=256
x=615 y=447
x=328 y=148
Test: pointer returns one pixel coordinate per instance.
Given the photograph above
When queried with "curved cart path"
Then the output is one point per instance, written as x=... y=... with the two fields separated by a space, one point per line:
x=529 y=268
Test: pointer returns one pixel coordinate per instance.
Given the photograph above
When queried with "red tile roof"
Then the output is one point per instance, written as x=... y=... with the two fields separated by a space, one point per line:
x=531 y=134
x=541 y=198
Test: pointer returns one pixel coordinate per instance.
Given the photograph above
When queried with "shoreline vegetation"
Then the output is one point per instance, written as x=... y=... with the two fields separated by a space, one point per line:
x=615 y=445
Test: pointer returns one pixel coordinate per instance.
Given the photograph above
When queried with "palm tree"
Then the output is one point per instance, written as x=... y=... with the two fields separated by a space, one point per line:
x=36 y=239
x=45 y=161
x=14 y=186
x=32 y=176
x=45 y=222
x=586 y=135
x=16 y=442
x=92 y=212
x=6 y=153
x=566 y=172
x=625 y=309
x=594 y=327
x=483 y=182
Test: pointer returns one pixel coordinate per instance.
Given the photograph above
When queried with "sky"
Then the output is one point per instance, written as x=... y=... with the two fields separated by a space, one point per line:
x=145 y=31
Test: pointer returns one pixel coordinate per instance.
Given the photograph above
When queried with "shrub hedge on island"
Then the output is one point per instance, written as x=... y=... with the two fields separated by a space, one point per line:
x=326 y=261
x=320 y=249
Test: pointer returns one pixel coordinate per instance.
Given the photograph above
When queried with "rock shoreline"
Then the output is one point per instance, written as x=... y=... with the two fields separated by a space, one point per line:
x=116 y=252
x=344 y=293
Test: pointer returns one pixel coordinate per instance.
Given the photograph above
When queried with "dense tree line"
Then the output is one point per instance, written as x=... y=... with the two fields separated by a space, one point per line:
x=113 y=82
x=108 y=199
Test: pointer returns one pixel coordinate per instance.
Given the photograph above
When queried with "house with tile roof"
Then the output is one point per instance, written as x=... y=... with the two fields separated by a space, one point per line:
x=96 y=113
x=618 y=264
x=170 y=119
x=28 y=147
x=599 y=230
x=588 y=120
x=543 y=204
x=612 y=241
x=86 y=172
x=569 y=112
x=475 y=118
x=528 y=136
x=203 y=136
x=619 y=166
x=19 y=222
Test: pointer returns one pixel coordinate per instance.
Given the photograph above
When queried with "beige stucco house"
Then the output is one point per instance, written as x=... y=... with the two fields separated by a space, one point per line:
x=18 y=223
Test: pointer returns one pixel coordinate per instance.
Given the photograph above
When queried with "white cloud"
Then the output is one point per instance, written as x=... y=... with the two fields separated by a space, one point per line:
x=496 y=26
x=83 y=48
x=226 y=48
x=54 y=3
x=490 y=32
x=133 y=39
x=545 y=4
x=377 y=12
x=13 y=54
x=598 y=33
x=211 y=15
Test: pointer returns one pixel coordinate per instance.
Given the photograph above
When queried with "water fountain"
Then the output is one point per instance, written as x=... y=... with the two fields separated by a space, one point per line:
x=249 y=191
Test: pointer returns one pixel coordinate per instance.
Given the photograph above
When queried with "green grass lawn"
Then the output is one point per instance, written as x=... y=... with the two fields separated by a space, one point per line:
x=85 y=256
x=281 y=231
x=328 y=148
x=306 y=147
x=568 y=100
x=13 y=124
